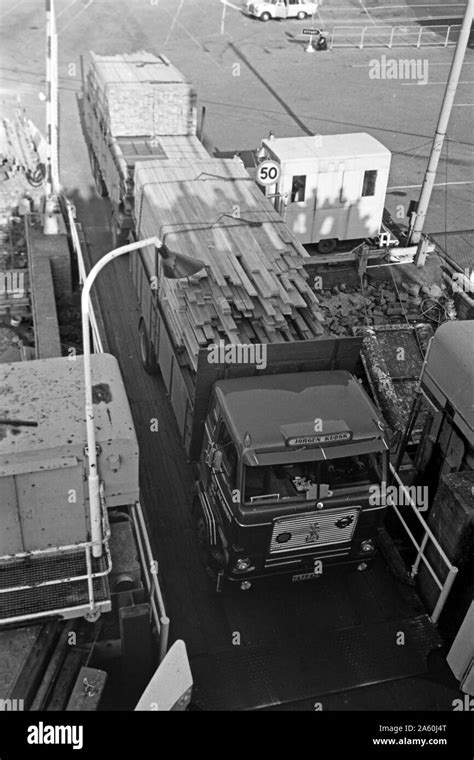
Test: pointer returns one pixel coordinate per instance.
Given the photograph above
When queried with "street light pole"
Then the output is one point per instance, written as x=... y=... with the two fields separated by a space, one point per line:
x=175 y=266
x=418 y=220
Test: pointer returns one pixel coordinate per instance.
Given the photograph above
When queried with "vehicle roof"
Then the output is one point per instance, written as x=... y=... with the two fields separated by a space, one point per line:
x=51 y=393
x=326 y=146
x=261 y=405
x=449 y=369
x=134 y=68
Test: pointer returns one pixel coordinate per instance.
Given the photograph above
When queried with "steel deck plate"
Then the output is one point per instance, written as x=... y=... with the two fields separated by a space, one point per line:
x=331 y=661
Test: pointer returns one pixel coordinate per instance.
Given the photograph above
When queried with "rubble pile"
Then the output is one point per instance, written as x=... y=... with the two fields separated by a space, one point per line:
x=380 y=303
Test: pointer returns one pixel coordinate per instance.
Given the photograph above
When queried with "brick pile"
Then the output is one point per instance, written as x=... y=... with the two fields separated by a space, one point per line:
x=376 y=303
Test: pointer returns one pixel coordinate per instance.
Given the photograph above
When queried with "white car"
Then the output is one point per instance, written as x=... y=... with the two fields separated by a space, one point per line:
x=267 y=9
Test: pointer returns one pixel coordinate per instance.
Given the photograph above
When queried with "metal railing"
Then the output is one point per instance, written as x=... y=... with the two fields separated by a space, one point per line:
x=394 y=36
x=76 y=244
x=428 y=536
x=48 y=570
x=150 y=570
x=148 y=564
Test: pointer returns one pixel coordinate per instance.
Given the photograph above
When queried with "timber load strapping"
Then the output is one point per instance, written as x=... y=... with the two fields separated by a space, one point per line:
x=140 y=94
x=254 y=288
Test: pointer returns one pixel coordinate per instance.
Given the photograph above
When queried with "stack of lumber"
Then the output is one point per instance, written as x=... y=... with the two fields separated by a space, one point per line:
x=254 y=288
x=140 y=94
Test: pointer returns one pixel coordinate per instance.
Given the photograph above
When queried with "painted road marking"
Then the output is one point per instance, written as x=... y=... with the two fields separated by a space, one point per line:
x=437 y=184
x=15 y=7
x=173 y=24
x=410 y=84
x=231 y=5
x=89 y=3
x=431 y=63
x=389 y=7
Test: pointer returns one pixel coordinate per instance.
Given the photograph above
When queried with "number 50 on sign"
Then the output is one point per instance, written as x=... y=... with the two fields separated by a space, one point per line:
x=268 y=172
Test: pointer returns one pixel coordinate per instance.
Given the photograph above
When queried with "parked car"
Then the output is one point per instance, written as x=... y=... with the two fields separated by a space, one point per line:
x=268 y=9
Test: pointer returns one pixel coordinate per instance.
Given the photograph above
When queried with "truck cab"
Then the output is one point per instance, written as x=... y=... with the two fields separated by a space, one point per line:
x=290 y=476
x=281 y=9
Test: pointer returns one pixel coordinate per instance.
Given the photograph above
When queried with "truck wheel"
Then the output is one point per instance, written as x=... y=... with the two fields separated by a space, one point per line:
x=147 y=353
x=265 y=17
x=327 y=246
x=301 y=15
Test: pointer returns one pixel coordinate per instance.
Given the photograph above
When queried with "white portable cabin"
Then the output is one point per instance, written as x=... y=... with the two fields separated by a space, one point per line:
x=331 y=187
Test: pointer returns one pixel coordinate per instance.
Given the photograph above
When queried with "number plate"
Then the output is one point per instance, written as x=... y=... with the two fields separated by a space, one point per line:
x=305 y=577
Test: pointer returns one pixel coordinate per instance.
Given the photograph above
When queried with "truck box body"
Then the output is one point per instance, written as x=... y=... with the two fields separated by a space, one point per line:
x=43 y=492
x=449 y=373
x=46 y=562
x=330 y=186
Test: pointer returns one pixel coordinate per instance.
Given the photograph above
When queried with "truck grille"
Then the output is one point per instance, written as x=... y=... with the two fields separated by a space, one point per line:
x=313 y=530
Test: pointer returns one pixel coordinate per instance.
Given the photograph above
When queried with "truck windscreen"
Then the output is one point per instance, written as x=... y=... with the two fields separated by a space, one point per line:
x=294 y=481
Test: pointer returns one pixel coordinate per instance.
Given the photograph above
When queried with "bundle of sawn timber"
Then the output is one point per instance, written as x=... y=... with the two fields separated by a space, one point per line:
x=254 y=288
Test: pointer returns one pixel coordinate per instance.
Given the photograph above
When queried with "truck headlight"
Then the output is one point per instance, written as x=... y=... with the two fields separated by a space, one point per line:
x=242 y=564
x=367 y=546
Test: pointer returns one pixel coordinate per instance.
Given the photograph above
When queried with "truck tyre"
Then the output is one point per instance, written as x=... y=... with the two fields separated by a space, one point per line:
x=265 y=17
x=301 y=15
x=147 y=353
x=327 y=246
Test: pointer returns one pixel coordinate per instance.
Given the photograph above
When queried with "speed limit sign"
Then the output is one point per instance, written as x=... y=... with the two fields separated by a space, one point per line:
x=268 y=172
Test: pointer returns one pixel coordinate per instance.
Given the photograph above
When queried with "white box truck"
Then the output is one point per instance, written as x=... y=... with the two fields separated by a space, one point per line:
x=329 y=188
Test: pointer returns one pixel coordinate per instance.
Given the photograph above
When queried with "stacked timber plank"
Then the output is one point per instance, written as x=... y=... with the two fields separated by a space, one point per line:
x=140 y=94
x=254 y=288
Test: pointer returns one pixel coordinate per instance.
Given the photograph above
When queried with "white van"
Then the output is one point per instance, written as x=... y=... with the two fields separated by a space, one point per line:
x=267 y=9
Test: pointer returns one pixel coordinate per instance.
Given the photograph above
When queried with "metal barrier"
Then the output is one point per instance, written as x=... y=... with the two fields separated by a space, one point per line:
x=148 y=564
x=445 y=587
x=76 y=244
x=394 y=36
x=150 y=571
x=50 y=573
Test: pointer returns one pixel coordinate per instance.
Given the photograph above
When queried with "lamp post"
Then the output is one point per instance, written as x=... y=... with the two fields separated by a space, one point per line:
x=175 y=266
x=418 y=220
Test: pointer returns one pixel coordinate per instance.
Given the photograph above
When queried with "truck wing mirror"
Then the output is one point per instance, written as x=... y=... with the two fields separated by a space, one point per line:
x=216 y=461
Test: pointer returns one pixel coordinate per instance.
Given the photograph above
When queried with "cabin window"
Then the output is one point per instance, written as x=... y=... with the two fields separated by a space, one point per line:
x=298 y=187
x=292 y=481
x=368 y=187
x=229 y=456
